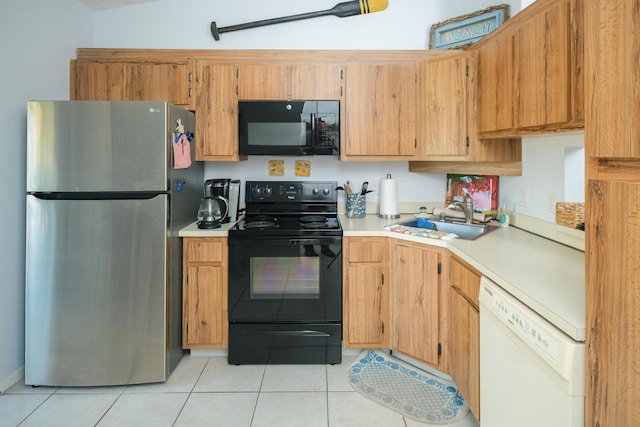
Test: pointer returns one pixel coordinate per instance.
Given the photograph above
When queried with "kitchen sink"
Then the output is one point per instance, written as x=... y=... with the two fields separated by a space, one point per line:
x=462 y=230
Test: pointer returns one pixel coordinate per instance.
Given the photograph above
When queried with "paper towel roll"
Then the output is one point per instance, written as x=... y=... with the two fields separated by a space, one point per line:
x=388 y=189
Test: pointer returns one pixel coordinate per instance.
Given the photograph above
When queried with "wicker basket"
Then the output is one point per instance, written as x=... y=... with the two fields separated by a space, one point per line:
x=570 y=214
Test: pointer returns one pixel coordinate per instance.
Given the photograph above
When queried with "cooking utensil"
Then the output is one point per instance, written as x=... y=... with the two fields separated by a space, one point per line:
x=347 y=188
x=341 y=10
x=365 y=185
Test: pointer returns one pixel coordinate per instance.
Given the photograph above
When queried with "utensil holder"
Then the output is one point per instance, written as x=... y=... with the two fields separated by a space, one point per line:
x=356 y=205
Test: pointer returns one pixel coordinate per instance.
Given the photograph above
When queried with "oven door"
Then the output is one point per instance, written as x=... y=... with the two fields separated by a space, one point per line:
x=285 y=280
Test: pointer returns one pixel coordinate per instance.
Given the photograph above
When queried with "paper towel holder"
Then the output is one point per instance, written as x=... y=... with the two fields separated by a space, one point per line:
x=388 y=215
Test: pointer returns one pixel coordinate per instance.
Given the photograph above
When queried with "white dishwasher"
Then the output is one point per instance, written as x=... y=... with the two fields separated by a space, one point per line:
x=531 y=373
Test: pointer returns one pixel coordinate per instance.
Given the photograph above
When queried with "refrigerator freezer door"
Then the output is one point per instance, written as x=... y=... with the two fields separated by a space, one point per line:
x=97 y=146
x=95 y=291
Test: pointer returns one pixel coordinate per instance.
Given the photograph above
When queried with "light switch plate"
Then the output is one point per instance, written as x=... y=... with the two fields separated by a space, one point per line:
x=523 y=197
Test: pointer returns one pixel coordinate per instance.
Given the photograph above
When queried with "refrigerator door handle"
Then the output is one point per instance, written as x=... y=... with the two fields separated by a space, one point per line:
x=138 y=195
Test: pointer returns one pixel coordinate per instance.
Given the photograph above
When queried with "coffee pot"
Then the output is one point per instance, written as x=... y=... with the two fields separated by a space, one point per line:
x=214 y=209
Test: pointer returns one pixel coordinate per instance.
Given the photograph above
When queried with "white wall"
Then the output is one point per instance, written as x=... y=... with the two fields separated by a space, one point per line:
x=552 y=170
x=184 y=24
x=37 y=39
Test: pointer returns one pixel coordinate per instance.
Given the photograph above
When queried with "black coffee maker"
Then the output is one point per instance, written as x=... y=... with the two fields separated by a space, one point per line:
x=227 y=189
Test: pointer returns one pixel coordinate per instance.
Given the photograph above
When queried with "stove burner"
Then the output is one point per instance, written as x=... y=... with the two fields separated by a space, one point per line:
x=260 y=225
x=260 y=222
x=312 y=219
x=314 y=225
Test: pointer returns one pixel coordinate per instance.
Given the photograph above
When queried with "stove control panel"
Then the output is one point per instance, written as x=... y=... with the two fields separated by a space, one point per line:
x=291 y=191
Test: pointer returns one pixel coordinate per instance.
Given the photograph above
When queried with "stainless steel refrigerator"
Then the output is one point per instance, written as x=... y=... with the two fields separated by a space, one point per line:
x=104 y=260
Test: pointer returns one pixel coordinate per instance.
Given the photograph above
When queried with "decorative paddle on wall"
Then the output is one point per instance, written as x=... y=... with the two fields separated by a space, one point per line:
x=348 y=8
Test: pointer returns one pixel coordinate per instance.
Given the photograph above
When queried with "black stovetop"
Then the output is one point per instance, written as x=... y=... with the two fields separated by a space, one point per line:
x=289 y=208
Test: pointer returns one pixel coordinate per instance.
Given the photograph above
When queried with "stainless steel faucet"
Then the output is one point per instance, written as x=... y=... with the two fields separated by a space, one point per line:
x=467 y=208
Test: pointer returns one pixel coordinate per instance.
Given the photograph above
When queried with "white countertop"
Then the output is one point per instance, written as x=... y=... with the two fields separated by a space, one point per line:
x=547 y=276
x=192 y=230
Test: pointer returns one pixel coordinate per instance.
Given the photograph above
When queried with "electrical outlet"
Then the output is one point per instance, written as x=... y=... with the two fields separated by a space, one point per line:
x=523 y=197
x=551 y=203
x=373 y=186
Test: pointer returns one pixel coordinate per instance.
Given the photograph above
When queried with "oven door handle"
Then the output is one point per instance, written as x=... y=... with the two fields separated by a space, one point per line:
x=299 y=242
x=304 y=333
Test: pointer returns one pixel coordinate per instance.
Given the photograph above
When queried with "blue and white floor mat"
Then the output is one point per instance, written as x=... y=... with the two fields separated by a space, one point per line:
x=406 y=389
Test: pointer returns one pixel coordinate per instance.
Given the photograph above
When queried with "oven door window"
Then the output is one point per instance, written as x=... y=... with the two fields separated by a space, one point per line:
x=285 y=277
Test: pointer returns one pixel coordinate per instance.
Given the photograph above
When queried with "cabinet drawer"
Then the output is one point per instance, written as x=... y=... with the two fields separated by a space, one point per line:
x=465 y=280
x=204 y=249
x=366 y=250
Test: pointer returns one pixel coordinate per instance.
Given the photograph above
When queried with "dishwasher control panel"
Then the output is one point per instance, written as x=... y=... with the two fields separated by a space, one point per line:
x=526 y=327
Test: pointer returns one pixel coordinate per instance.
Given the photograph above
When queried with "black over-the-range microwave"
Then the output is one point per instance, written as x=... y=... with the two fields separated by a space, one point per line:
x=289 y=128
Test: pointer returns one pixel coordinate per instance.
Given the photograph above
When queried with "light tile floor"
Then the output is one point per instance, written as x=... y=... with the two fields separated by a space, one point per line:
x=206 y=391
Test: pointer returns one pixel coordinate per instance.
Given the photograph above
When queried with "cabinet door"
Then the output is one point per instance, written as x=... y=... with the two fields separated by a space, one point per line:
x=133 y=81
x=290 y=82
x=264 y=82
x=216 y=111
x=542 y=67
x=612 y=295
x=206 y=324
x=612 y=80
x=205 y=321
x=380 y=111
x=464 y=333
x=102 y=81
x=415 y=302
x=443 y=100
x=495 y=84
x=317 y=81
x=366 y=295
x=365 y=307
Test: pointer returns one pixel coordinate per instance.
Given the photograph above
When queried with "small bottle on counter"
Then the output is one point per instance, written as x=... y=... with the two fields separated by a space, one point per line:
x=503 y=216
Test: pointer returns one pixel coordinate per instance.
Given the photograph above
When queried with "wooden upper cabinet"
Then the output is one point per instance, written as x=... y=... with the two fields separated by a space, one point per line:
x=132 y=81
x=216 y=106
x=530 y=72
x=448 y=139
x=264 y=81
x=612 y=79
x=315 y=81
x=495 y=85
x=443 y=97
x=380 y=112
x=542 y=69
x=290 y=82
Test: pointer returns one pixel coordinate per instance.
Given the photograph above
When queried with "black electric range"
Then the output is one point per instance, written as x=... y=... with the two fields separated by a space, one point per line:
x=285 y=275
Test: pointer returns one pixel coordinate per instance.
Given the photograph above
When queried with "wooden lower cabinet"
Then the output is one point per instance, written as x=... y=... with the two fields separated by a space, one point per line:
x=365 y=292
x=415 y=301
x=613 y=292
x=463 y=351
x=205 y=321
